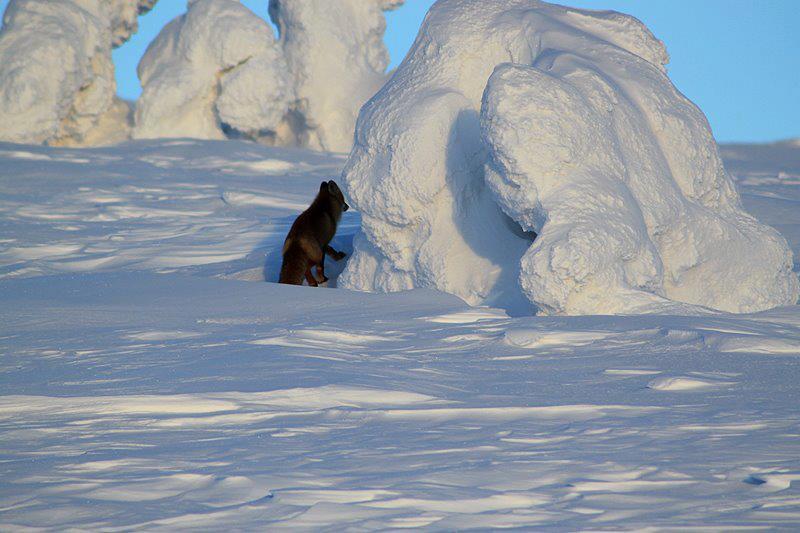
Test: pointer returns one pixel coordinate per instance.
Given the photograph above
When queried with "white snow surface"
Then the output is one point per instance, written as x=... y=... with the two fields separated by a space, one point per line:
x=218 y=72
x=145 y=385
x=56 y=75
x=512 y=118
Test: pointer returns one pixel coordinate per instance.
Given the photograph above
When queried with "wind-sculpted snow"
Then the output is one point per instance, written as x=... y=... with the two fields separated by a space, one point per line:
x=516 y=118
x=56 y=75
x=218 y=66
x=218 y=71
x=618 y=227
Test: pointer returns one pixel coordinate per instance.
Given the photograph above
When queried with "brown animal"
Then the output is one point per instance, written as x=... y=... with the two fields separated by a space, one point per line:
x=307 y=242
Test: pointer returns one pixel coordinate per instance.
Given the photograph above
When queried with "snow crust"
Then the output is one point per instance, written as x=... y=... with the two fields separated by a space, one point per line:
x=515 y=118
x=218 y=71
x=56 y=75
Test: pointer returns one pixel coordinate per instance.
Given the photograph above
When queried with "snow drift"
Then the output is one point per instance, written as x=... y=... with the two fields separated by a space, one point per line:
x=515 y=119
x=218 y=71
x=56 y=75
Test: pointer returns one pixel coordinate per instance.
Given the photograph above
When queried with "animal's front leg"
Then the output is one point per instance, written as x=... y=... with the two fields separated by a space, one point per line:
x=338 y=256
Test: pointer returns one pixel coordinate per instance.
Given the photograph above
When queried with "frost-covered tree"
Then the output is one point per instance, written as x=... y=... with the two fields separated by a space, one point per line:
x=218 y=71
x=337 y=60
x=56 y=74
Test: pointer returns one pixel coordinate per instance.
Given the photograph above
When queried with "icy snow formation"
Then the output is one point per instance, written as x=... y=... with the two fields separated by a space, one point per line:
x=511 y=118
x=218 y=71
x=216 y=66
x=56 y=75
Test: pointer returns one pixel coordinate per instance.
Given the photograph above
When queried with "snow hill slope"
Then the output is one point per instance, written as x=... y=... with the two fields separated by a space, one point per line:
x=145 y=386
x=511 y=118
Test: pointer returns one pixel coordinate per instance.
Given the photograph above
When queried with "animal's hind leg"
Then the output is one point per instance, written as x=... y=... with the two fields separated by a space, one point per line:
x=321 y=278
x=310 y=277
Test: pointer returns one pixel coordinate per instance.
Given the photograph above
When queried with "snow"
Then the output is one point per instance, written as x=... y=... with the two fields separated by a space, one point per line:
x=215 y=72
x=156 y=205
x=66 y=97
x=151 y=380
x=154 y=376
x=337 y=60
x=217 y=66
x=511 y=119
x=218 y=72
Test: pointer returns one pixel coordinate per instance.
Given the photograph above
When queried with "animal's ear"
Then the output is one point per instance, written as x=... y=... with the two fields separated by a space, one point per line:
x=332 y=186
x=323 y=186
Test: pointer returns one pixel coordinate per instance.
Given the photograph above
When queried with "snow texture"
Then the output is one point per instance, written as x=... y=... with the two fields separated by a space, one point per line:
x=510 y=119
x=56 y=75
x=218 y=71
x=144 y=385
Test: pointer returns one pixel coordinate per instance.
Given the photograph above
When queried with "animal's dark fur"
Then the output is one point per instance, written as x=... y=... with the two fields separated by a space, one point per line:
x=307 y=242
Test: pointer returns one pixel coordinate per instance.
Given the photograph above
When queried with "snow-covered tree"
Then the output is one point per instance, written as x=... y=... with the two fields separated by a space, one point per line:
x=56 y=74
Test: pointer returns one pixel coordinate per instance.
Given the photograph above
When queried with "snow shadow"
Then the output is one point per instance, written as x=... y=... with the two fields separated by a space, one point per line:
x=477 y=217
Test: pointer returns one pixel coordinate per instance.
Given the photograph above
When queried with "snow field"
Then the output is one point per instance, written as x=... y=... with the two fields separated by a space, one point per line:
x=146 y=386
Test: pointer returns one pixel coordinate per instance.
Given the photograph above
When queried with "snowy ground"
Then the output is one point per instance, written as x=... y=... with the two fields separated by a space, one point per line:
x=150 y=379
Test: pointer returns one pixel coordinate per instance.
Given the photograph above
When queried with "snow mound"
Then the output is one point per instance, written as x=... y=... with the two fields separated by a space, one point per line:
x=510 y=119
x=218 y=72
x=66 y=97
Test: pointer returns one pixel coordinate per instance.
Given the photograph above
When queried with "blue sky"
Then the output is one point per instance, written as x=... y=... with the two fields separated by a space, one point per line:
x=739 y=60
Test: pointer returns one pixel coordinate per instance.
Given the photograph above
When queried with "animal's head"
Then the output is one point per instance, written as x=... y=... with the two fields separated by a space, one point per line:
x=334 y=192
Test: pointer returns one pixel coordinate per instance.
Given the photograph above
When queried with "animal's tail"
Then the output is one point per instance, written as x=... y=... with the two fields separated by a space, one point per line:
x=294 y=266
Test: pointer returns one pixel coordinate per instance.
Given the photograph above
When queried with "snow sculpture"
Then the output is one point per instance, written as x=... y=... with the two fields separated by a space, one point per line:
x=218 y=66
x=510 y=118
x=56 y=76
